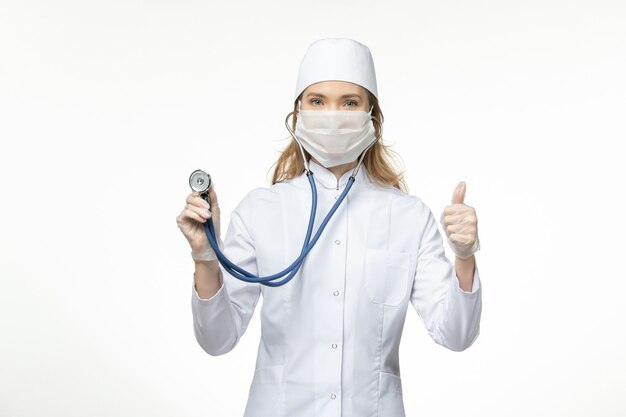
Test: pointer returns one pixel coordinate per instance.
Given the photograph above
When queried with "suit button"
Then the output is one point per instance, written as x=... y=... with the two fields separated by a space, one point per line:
x=334 y=345
x=335 y=293
x=333 y=396
x=337 y=242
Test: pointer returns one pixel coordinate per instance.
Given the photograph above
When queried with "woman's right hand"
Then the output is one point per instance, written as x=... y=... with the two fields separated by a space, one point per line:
x=191 y=220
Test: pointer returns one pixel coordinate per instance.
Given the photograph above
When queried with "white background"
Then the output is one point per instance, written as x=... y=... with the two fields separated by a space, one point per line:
x=106 y=108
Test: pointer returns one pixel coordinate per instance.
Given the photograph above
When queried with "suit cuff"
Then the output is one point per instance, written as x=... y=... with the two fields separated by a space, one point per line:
x=207 y=301
x=475 y=284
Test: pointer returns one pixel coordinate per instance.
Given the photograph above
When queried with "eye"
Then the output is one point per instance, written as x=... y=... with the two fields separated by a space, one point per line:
x=314 y=100
x=352 y=101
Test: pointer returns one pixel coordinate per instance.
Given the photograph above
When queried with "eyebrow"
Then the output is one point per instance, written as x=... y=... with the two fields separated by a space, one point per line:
x=323 y=96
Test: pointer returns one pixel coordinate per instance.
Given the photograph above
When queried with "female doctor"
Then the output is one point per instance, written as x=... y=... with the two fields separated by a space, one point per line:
x=330 y=336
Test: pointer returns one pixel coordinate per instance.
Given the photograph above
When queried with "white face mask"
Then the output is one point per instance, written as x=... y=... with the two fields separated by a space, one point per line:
x=335 y=137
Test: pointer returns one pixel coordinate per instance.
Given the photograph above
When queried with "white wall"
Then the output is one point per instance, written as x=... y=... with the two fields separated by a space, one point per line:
x=106 y=107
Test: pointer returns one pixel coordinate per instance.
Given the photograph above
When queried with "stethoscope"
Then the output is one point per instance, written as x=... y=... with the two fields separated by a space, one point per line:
x=200 y=182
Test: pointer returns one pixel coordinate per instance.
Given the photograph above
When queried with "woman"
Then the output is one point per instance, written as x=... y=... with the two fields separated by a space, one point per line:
x=330 y=336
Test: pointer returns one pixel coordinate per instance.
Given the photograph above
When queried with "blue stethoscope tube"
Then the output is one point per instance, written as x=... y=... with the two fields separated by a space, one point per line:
x=292 y=269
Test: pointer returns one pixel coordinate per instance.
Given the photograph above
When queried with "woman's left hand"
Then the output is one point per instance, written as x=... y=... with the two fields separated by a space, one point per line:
x=461 y=225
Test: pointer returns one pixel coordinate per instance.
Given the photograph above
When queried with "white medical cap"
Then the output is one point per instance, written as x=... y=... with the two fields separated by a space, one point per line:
x=338 y=59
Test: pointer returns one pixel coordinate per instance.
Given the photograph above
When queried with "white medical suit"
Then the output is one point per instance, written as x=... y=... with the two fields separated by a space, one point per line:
x=330 y=337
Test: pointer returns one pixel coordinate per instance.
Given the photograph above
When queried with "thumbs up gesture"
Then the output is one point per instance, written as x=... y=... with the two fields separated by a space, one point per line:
x=461 y=225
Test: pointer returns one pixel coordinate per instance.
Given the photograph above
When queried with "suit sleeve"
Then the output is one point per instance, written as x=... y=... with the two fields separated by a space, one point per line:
x=450 y=314
x=219 y=322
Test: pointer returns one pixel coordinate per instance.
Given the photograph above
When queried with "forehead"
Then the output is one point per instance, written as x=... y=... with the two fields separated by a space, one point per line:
x=335 y=88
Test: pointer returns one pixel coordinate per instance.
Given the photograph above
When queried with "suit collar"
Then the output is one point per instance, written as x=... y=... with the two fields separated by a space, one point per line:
x=327 y=178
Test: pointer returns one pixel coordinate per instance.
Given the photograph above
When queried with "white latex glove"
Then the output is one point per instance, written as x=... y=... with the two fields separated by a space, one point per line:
x=461 y=225
x=191 y=223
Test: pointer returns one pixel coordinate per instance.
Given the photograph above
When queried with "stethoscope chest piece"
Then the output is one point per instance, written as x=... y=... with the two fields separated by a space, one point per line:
x=200 y=182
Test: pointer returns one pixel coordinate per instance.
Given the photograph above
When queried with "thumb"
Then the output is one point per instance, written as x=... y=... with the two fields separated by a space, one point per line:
x=459 y=193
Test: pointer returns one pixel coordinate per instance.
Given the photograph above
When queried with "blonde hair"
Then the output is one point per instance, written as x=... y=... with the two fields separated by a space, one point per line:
x=381 y=161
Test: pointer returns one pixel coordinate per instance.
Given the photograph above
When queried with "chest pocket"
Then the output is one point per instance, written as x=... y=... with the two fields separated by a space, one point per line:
x=386 y=276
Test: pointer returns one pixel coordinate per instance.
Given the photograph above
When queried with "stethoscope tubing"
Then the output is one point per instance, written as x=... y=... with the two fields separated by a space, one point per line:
x=292 y=269
x=308 y=244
